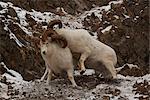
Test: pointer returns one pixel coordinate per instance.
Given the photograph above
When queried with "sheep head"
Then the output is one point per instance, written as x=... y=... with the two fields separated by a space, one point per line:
x=54 y=38
x=48 y=36
x=53 y=34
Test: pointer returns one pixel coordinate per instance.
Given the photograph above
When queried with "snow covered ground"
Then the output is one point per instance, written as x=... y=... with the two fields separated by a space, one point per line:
x=16 y=88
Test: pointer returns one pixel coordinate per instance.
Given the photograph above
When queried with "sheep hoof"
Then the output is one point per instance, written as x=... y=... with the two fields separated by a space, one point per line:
x=115 y=77
x=82 y=72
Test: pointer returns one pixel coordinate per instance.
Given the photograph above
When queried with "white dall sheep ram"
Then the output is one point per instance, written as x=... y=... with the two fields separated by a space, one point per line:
x=80 y=41
x=56 y=54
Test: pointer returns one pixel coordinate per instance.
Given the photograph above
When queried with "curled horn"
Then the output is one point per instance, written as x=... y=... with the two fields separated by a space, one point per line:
x=54 y=22
x=55 y=38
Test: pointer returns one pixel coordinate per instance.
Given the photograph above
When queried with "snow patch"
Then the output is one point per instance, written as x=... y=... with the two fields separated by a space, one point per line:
x=87 y=72
x=21 y=15
x=125 y=86
x=129 y=65
x=17 y=77
x=126 y=16
x=17 y=81
x=117 y=17
x=116 y=2
x=41 y=17
x=12 y=36
x=61 y=9
x=3 y=90
x=24 y=29
x=3 y=5
x=107 y=29
x=98 y=10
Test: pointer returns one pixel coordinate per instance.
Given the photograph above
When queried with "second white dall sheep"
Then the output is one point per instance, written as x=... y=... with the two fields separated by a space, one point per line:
x=56 y=54
x=80 y=41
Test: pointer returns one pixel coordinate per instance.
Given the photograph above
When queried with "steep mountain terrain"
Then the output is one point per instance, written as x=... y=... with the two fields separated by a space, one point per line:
x=121 y=24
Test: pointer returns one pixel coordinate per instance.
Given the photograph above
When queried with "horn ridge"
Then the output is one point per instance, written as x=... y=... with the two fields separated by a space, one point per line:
x=55 y=22
x=55 y=37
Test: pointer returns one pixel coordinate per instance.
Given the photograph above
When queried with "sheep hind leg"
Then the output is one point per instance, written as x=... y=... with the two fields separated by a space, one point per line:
x=81 y=62
x=111 y=68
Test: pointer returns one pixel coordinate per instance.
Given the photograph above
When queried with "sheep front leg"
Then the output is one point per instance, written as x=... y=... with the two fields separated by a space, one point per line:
x=109 y=65
x=81 y=62
x=71 y=77
x=49 y=77
x=46 y=71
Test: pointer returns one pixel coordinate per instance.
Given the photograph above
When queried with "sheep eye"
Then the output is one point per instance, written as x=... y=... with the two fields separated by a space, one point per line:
x=44 y=52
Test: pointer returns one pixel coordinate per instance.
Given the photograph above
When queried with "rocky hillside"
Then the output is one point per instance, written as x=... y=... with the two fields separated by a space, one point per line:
x=93 y=88
x=121 y=24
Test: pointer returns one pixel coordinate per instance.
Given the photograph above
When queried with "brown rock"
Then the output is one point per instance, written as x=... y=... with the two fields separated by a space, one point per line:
x=22 y=60
x=106 y=98
x=134 y=71
x=12 y=12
